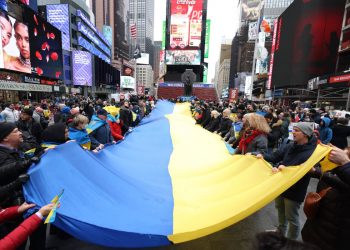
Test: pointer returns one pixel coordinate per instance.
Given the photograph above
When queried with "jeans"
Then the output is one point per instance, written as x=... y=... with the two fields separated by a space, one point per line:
x=288 y=215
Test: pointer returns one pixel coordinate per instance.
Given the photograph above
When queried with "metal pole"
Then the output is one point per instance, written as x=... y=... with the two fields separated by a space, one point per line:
x=318 y=97
x=348 y=101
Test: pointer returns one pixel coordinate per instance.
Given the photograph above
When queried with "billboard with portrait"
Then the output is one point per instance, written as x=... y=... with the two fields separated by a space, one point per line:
x=185 y=24
x=306 y=41
x=82 y=68
x=46 y=47
x=250 y=10
x=58 y=16
x=15 y=48
x=183 y=57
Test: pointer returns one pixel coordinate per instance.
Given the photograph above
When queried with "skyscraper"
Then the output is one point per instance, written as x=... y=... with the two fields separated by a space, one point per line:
x=142 y=14
x=274 y=8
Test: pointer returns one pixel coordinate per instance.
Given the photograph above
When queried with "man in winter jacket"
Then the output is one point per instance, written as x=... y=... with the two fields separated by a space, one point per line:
x=293 y=154
x=9 y=114
x=101 y=132
x=326 y=132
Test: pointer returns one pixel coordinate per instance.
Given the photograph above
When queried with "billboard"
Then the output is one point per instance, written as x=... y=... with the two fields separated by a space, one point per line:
x=58 y=16
x=15 y=49
x=186 y=24
x=250 y=10
x=107 y=32
x=207 y=38
x=31 y=3
x=181 y=57
x=46 y=47
x=82 y=68
x=144 y=59
x=127 y=82
x=307 y=41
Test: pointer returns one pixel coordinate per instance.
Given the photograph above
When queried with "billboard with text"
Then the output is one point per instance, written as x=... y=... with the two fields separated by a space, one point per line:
x=82 y=68
x=183 y=57
x=58 y=16
x=186 y=24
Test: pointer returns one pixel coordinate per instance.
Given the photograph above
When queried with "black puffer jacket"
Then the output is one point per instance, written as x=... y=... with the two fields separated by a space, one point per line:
x=11 y=167
x=330 y=229
x=214 y=124
x=293 y=155
x=225 y=126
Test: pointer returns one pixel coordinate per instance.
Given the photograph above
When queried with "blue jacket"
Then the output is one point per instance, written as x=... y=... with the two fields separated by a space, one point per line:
x=326 y=133
x=101 y=135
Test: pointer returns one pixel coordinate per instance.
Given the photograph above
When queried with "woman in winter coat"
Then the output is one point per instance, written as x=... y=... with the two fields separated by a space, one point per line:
x=330 y=228
x=225 y=123
x=254 y=138
x=116 y=127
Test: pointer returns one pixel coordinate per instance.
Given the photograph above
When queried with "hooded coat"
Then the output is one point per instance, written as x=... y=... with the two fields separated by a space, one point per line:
x=326 y=133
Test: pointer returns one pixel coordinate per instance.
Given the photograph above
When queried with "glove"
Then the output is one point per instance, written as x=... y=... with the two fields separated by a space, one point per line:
x=23 y=178
x=24 y=164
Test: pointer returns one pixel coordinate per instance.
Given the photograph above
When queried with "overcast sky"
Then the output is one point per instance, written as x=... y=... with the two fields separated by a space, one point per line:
x=224 y=24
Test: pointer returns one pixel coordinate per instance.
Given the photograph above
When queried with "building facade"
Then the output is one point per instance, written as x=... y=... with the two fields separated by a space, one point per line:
x=144 y=76
x=223 y=76
x=142 y=14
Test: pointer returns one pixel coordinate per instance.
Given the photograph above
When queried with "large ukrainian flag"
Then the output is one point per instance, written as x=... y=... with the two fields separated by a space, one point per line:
x=169 y=181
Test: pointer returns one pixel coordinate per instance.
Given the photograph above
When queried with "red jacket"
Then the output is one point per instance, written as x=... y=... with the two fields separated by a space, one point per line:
x=116 y=130
x=20 y=234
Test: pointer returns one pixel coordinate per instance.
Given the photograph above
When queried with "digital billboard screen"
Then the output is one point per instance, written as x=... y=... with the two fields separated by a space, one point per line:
x=31 y=3
x=15 y=48
x=58 y=16
x=250 y=10
x=46 y=47
x=307 y=41
x=181 y=57
x=107 y=32
x=185 y=24
x=82 y=68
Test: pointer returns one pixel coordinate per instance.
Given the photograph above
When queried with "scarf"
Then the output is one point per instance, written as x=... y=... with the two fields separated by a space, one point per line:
x=94 y=124
x=247 y=137
x=80 y=136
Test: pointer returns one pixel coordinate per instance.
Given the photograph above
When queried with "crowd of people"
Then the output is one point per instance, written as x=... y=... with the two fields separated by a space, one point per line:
x=287 y=136
x=28 y=129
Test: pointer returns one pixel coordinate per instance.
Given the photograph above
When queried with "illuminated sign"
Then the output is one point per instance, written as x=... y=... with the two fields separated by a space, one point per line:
x=179 y=57
x=58 y=16
x=82 y=68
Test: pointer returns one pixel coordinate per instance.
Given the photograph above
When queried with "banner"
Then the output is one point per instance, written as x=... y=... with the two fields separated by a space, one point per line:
x=207 y=39
x=250 y=10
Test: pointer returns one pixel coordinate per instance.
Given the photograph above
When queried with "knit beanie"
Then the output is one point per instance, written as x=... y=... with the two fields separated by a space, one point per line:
x=305 y=127
x=5 y=129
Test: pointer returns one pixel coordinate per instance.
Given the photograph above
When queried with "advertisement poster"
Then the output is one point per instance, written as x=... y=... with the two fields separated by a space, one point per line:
x=15 y=47
x=107 y=32
x=127 y=82
x=82 y=68
x=58 y=16
x=250 y=10
x=207 y=39
x=180 y=57
x=307 y=42
x=46 y=47
x=186 y=24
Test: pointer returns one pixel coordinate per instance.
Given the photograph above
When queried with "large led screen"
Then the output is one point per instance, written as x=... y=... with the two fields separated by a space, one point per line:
x=186 y=24
x=58 y=16
x=307 y=41
x=46 y=47
x=250 y=9
x=15 y=48
x=31 y=3
x=82 y=68
x=183 y=57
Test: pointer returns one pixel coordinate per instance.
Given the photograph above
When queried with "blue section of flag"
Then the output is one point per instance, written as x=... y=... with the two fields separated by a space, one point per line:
x=116 y=198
